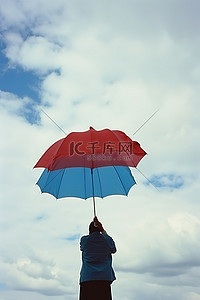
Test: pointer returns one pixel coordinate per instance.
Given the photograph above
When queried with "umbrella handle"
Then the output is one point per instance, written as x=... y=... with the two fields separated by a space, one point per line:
x=95 y=224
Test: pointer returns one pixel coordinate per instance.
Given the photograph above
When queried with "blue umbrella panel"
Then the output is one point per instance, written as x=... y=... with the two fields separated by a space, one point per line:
x=85 y=182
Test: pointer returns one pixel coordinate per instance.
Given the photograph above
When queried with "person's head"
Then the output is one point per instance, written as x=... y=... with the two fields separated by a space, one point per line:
x=93 y=228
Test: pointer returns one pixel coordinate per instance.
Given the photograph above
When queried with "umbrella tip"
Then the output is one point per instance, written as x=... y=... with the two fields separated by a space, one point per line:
x=91 y=128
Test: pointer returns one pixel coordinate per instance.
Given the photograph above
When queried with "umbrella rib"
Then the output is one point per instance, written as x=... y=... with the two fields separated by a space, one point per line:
x=53 y=178
x=120 y=180
x=61 y=181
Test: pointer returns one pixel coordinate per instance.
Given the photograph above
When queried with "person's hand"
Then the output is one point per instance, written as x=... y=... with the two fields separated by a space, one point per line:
x=98 y=224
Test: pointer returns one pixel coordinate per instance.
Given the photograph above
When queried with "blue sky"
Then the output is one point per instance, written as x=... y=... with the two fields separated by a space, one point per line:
x=18 y=81
x=110 y=65
x=23 y=83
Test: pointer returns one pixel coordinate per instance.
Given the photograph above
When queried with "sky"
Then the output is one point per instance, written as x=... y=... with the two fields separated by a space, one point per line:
x=105 y=64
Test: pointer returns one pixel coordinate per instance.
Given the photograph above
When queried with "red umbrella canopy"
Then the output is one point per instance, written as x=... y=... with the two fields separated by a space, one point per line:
x=92 y=149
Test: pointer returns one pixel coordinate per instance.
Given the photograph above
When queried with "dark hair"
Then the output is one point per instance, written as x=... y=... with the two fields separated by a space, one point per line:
x=93 y=228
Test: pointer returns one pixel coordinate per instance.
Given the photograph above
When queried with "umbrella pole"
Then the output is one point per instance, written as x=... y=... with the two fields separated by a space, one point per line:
x=94 y=205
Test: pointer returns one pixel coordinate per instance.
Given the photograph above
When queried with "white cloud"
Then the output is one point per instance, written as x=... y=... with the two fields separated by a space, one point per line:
x=35 y=53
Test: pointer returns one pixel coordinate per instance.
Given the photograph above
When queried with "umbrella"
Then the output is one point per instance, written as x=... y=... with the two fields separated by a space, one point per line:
x=92 y=149
x=81 y=159
x=84 y=183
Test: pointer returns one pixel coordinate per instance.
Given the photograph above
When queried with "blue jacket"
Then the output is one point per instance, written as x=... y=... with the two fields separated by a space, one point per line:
x=96 y=257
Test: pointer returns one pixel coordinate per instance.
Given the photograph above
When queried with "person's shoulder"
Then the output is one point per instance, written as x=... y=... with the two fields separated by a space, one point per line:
x=83 y=240
x=84 y=237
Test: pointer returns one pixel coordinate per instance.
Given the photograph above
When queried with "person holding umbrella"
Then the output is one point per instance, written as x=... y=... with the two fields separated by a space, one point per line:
x=96 y=273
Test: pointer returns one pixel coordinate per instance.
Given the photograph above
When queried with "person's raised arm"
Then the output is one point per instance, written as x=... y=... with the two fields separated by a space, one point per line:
x=99 y=225
x=110 y=241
